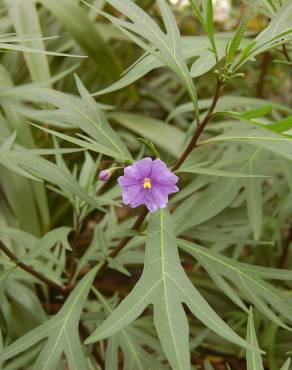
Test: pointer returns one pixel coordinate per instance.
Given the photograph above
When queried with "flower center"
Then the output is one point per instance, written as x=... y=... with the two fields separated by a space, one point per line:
x=147 y=183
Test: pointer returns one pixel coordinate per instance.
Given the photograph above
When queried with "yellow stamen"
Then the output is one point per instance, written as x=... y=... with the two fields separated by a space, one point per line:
x=147 y=183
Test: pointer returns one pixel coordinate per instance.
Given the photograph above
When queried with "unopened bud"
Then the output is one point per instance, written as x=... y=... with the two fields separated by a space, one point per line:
x=104 y=175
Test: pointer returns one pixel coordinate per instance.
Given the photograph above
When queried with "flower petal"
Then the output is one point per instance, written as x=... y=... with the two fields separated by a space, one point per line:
x=166 y=188
x=131 y=193
x=150 y=203
x=144 y=167
x=132 y=172
x=125 y=181
x=161 y=174
x=160 y=197
x=162 y=180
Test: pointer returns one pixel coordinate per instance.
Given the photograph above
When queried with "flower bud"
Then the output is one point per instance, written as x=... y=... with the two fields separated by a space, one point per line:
x=104 y=175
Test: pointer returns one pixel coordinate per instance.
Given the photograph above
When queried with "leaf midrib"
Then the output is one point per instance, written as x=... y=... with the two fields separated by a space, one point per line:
x=163 y=278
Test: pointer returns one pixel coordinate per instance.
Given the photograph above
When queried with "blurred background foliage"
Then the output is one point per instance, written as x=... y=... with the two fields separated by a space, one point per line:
x=250 y=222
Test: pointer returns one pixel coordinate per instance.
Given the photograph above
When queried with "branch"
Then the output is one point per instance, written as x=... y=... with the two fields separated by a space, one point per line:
x=72 y=261
x=285 y=250
x=31 y=271
x=264 y=69
x=286 y=54
x=200 y=127
x=85 y=334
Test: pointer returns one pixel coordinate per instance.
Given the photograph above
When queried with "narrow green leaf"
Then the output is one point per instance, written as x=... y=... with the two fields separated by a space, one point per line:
x=59 y=235
x=248 y=279
x=253 y=357
x=256 y=113
x=254 y=198
x=169 y=45
x=197 y=11
x=135 y=357
x=282 y=125
x=97 y=118
x=27 y=49
x=46 y=170
x=14 y=185
x=209 y=26
x=26 y=22
x=24 y=238
x=259 y=137
x=286 y=364
x=237 y=38
x=86 y=114
x=60 y=332
x=214 y=172
x=139 y=69
x=218 y=196
x=277 y=32
x=229 y=102
x=224 y=286
x=252 y=118
x=68 y=11
x=86 y=144
x=192 y=46
x=166 y=137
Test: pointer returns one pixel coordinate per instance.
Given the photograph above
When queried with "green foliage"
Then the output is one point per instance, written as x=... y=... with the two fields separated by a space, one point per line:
x=128 y=340
x=61 y=333
x=97 y=85
x=165 y=285
x=86 y=34
x=253 y=357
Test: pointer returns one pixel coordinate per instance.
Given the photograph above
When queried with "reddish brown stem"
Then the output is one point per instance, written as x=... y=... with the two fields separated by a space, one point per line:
x=200 y=127
x=72 y=260
x=85 y=334
x=285 y=250
x=286 y=54
x=264 y=69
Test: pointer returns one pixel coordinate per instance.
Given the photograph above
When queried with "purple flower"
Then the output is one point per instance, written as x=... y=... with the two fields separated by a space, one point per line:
x=104 y=175
x=148 y=182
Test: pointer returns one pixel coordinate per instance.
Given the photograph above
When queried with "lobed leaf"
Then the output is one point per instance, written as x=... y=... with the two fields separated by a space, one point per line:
x=165 y=285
